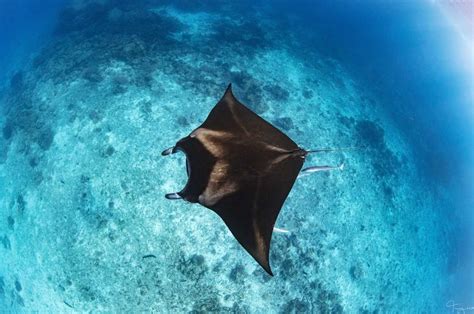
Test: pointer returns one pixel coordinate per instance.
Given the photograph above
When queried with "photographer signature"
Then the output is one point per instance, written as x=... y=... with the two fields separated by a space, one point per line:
x=458 y=308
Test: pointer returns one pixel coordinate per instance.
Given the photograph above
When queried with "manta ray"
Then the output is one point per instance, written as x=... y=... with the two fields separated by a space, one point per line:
x=242 y=168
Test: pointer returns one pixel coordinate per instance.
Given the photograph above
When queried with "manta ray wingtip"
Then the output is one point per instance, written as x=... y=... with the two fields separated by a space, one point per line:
x=269 y=271
x=228 y=89
x=266 y=266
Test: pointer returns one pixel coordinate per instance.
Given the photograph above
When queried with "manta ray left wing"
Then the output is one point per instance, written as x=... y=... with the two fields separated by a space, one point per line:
x=243 y=168
x=251 y=211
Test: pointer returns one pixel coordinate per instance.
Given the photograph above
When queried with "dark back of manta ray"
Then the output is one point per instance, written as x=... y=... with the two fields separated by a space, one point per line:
x=243 y=168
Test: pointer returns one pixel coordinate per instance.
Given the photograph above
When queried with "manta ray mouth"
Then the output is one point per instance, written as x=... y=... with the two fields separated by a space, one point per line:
x=188 y=167
x=188 y=170
x=188 y=174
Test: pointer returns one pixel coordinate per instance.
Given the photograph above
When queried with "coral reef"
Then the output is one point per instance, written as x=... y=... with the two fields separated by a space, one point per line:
x=84 y=226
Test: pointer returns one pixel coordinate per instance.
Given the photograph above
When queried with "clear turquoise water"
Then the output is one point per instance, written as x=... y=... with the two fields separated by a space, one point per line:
x=93 y=91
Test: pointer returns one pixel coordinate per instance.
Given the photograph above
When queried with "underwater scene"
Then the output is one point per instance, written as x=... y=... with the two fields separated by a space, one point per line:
x=93 y=91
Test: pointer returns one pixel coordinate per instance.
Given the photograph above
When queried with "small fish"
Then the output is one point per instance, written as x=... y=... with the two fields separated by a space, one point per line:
x=149 y=256
x=280 y=230
x=310 y=170
x=68 y=304
x=322 y=168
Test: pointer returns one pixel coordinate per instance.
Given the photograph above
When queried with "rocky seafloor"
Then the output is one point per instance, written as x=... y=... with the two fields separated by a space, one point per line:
x=84 y=225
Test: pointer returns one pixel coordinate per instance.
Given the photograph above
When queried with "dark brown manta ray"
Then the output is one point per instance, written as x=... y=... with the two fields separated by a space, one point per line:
x=243 y=168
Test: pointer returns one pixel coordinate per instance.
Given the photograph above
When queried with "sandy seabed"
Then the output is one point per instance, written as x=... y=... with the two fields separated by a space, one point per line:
x=82 y=182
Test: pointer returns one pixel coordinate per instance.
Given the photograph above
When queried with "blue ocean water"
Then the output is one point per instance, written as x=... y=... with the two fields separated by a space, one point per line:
x=92 y=91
